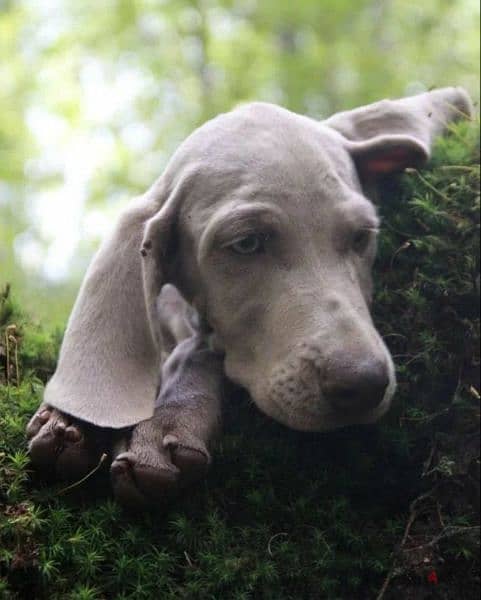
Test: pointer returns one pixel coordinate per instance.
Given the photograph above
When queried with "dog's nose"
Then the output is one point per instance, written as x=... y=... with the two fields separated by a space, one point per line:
x=361 y=387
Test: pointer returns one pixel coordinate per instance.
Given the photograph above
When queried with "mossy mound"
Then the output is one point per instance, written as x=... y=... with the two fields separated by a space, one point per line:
x=387 y=511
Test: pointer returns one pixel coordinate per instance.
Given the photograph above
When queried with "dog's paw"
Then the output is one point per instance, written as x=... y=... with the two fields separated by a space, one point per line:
x=156 y=465
x=60 y=447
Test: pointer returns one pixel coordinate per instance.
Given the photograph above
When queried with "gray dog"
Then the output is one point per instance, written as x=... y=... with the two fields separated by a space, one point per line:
x=262 y=221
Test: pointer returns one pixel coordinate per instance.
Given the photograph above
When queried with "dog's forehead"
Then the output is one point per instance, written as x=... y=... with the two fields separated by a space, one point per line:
x=261 y=151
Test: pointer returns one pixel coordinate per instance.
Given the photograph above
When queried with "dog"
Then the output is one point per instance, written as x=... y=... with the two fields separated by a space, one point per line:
x=263 y=222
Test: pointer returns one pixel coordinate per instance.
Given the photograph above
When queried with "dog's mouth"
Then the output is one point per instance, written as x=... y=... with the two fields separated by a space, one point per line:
x=312 y=390
x=318 y=415
x=301 y=403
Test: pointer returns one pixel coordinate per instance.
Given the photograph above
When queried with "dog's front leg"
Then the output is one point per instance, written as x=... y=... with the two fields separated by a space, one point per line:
x=173 y=448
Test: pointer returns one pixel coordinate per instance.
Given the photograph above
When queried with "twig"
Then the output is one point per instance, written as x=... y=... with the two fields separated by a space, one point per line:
x=425 y=418
x=460 y=112
x=11 y=339
x=429 y=460
x=457 y=168
x=413 y=515
x=429 y=185
x=103 y=458
x=448 y=532
x=269 y=550
x=450 y=126
x=474 y=392
x=397 y=231
x=412 y=357
x=7 y=364
x=405 y=246
x=440 y=515
x=388 y=335
x=415 y=357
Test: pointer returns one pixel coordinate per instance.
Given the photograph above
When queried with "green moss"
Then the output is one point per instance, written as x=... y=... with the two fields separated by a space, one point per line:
x=285 y=515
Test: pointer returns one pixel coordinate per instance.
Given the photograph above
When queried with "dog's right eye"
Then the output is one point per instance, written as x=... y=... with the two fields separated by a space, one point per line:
x=253 y=243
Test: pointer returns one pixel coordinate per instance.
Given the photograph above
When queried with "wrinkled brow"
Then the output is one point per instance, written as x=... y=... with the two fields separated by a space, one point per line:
x=359 y=213
x=232 y=221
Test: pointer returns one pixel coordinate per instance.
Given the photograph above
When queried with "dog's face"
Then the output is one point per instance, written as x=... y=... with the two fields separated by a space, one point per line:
x=275 y=243
x=268 y=232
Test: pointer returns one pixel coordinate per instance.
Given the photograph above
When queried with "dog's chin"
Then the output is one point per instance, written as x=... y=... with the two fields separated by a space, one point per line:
x=319 y=416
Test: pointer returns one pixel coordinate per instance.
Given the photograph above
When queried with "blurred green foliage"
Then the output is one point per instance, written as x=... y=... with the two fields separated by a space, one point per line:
x=95 y=96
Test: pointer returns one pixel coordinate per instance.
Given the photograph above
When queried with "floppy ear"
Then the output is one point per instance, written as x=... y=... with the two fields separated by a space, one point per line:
x=156 y=246
x=109 y=365
x=390 y=135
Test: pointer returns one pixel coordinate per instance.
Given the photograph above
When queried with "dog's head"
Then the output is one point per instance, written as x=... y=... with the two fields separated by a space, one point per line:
x=267 y=230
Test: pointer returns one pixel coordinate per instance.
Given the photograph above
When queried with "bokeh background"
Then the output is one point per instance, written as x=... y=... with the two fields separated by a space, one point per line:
x=96 y=95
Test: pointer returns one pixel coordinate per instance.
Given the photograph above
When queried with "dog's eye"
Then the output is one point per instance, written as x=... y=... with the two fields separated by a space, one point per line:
x=250 y=244
x=360 y=240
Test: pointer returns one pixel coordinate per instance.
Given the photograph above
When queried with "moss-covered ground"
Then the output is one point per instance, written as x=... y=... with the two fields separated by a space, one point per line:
x=388 y=511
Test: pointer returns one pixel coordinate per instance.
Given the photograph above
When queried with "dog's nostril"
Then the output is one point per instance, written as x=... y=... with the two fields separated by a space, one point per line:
x=362 y=388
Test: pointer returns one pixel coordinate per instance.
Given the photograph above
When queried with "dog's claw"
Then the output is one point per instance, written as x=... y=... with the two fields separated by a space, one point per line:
x=72 y=434
x=36 y=422
x=60 y=428
x=170 y=441
x=44 y=416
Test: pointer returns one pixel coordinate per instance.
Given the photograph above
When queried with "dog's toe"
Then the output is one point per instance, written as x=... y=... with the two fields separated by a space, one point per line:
x=140 y=484
x=157 y=483
x=38 y=420
x=192 y=463
x=124 y=486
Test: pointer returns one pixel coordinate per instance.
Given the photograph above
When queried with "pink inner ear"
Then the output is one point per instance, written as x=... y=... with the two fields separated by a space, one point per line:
x=388 y=161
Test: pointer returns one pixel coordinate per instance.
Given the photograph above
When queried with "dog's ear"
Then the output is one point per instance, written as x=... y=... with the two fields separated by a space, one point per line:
x=109 y=365
x=157 y=251
x=390 y=135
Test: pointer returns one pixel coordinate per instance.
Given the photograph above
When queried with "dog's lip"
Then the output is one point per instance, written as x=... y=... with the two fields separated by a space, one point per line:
x=324 y=418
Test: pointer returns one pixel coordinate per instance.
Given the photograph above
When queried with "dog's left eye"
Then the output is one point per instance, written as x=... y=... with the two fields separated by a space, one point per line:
x=361 y=239
x=250 y=244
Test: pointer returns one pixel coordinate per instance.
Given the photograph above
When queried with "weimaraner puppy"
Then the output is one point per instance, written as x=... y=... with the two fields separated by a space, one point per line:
x=262 y=220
